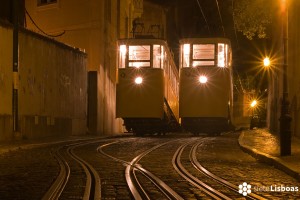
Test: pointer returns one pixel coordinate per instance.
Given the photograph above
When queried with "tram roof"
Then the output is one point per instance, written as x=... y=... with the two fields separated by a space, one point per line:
x=130 y=41
x=204 y=40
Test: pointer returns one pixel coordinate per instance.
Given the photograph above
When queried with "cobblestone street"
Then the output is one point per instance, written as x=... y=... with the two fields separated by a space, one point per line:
x=29 y=173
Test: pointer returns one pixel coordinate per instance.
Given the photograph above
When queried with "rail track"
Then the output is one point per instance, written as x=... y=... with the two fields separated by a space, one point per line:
x=92 y=186
x=132 y=167
x=206 y=188
x=136 y=175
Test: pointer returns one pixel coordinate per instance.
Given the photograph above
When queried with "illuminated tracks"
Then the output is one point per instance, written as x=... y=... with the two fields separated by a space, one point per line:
x=209 y=190
x=137 y=190
x=64 y=155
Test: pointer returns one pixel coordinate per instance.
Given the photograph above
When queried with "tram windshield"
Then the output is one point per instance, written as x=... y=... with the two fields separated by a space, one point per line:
x=194 y=55
x=141 y=56
x=203 y=55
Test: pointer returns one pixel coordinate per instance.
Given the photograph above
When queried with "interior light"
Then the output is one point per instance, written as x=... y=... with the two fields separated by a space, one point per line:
x=221 y=55
x=186 y=49
x=123 y=49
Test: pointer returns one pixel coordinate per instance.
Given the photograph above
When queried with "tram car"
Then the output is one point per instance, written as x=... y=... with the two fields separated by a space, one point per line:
x=147 y=87
x=205 y=92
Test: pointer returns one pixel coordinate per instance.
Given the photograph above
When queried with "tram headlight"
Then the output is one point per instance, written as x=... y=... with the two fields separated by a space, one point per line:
x=138 y=80
x=202 y=79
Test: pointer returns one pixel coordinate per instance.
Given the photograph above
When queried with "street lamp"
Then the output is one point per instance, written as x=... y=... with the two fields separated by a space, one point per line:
x=285 y=118
x=253 y=103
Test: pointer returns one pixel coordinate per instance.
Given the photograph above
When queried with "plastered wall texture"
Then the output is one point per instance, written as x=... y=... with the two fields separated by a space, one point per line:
x=52 y=86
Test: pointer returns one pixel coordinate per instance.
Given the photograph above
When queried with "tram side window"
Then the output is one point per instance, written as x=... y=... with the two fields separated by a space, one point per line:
x=185 y=55
x=222 y=55
x=157 y=56
x=163 y=57
x=203 y=55
x=229 y=55
x=139 y=56
x=122 y=56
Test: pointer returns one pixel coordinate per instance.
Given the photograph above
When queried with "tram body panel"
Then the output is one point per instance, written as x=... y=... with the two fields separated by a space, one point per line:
x=144 y=100
x=204 y=100
x=205 y=93
x=151 y=105
x=171 y=93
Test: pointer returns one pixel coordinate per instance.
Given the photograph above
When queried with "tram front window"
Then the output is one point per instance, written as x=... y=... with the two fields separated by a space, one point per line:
x=139 y=56
x=203 y=55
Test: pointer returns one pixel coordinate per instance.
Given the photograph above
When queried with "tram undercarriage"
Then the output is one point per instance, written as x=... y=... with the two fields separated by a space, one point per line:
x=206 y=125
x=151 y=126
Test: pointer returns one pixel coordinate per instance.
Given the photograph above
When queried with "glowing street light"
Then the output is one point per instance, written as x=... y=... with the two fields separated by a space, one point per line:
x=253 y=103
x=267 y=62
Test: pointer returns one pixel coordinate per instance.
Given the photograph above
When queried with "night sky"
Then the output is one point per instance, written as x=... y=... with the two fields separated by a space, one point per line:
x=213 y=18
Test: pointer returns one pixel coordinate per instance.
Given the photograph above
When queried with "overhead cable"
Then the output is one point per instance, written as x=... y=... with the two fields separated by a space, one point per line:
x=233 y=19
x=60 y=34
x=220 y=17
x=203 y=15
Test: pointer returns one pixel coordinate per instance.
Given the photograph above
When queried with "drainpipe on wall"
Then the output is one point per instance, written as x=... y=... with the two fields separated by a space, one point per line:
x=15 y=104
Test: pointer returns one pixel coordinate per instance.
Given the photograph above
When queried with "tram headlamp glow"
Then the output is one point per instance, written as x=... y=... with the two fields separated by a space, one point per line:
x=138 y=80
x=267 y=62
x=202 y=79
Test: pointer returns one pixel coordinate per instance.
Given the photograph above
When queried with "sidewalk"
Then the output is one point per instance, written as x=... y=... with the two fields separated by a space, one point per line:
x=264 y=146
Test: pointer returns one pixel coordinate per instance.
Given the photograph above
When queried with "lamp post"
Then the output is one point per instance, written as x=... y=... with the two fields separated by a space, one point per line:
x=285 y=118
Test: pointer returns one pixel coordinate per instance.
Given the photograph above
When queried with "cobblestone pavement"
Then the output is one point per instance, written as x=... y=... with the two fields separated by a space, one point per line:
x=27 y=170
x=224 y=158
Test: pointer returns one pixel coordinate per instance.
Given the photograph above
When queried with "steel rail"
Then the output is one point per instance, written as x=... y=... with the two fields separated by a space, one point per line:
x=181 y=170
x=203 y=170
x=132 y=181
x=59 y=184
x=92 y=188
x=129 y=173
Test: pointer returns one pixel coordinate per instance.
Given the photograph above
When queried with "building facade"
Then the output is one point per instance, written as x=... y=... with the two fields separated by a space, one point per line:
x=94 y=26
x=293 y=63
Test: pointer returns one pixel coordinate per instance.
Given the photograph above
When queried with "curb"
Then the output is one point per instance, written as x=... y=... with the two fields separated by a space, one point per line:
x=266 y=158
